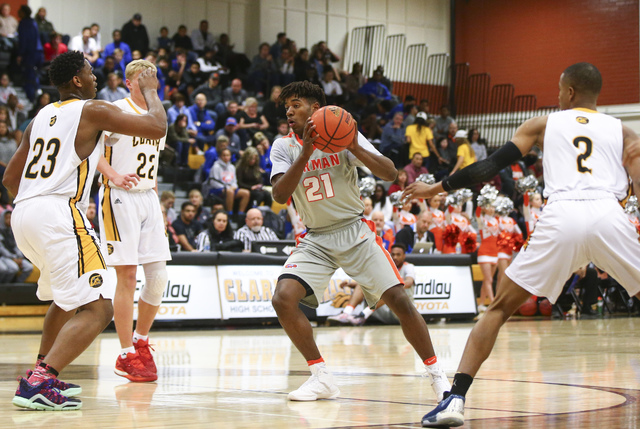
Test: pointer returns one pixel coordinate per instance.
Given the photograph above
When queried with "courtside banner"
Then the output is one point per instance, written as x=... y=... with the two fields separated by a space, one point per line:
x=444 y=290
x=191 y=293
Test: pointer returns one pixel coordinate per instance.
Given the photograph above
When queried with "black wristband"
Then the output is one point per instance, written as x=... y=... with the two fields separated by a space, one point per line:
x=484 y=170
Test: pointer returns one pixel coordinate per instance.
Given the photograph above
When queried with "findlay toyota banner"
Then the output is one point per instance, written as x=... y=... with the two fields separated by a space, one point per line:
x=191 y=293
x=444 y=290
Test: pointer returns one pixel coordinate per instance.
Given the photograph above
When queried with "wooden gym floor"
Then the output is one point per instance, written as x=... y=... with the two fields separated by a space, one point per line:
x=542 y=374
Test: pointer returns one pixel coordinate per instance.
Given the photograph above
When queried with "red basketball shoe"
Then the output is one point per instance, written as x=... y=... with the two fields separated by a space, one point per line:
x=143 y=350
x=133 y=369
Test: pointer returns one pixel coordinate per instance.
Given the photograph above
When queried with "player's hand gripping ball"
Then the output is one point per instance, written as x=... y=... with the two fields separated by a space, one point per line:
x=335 y=127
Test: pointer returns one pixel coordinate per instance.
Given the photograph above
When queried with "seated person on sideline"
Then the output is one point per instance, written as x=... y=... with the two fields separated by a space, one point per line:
x=218 y=235
x=187 y=228
x=382 y=313
x=383 y=230
x=253 y=230
x=419 y=232
x=13 y=258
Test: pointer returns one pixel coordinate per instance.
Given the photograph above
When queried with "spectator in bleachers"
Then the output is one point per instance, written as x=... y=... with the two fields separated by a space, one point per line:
x=420 y=138
x=229 y=131
x=370 y=128
x=283 y=129
x=180 y=107
x=465 y=154
x=179 y=139
x=45 y=27
x=101 y=73
x=424 y=107
x=286 y=67
x=202 y=39
x=254 y=230
x=383 y=230
x=331 y=87
x=172 y=237
x=42 y=100
x=30 y=53
x=250 y=120
x=84 y=43
x=191 y=79
x=235 y=93
x=393 y=140
x=250 y=177
x=278 y=46
x=263 y=73
x=203 y=214
x=400 y=183
x=374 y=89
x=213 y=91
x=381 y=202
x=118 y=61
x=409 y=100
x=301 y=64
x=479 y=147
x=113 y=91
x=224 y=183
x=13 y=257
x=54 y=47
x=208 y=63
x=211 y=155
x=187 y=227
x=410 y=111
x=164 y=41
x=442 y=123
x=354 y=81
x=92 y=216
x=274 y=111
x=118 y=44
x=134 y=34
x=218 y=235
x=8 y=146
x=95 y=35
x=262 y=145
x=8 y=24
x=15 y=116
x=415 y=168
x=419 y=232
x=167 y=200
x=6 y=88
x=204 y=122
x=181 y=39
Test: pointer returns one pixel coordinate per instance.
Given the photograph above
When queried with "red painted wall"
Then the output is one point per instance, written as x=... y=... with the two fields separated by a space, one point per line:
x=530 y=43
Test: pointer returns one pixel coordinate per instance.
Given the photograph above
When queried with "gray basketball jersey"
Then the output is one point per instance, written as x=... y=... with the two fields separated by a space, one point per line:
x=327 y=196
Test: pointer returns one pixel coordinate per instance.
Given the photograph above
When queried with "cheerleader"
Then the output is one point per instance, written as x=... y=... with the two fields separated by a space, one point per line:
x=487 y=252
x=437 y=221
x=509 y=232
x=466 y=233
x=532 y=210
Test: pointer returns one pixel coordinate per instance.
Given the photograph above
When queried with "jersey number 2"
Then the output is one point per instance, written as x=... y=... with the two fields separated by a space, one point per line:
x=312 y=185
x=586 y=154
x=143 y=161
x=52 y=147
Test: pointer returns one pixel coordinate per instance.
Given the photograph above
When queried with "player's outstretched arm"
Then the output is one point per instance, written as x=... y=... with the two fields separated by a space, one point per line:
x=13 y=173
x=530 y=133
x=631 y=155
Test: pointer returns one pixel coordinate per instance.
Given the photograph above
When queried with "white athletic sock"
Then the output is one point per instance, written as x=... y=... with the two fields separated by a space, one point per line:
x=367 y=312
x=137 y=337
x=348 y=310
x=123 y=352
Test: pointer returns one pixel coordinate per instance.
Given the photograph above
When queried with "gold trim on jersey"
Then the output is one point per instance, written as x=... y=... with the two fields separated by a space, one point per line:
x=133 y=106
x=64 y=103
x=110 y=225
x=89 y=256
x=583 y=109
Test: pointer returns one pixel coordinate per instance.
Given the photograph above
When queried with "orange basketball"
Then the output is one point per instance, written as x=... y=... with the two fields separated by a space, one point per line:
x=545 y=307
x=530 y=307
x=335 y=127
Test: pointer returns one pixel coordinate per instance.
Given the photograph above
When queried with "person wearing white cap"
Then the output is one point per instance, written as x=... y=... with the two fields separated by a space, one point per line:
x=420 y=137
x=466 y=155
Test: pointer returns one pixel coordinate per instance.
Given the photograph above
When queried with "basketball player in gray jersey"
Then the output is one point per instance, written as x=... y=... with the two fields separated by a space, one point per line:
x=325 y=193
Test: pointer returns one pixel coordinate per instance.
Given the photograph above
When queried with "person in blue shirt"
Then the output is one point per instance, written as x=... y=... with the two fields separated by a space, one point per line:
x=177 y=108
x=203 y=121
x=118 y=44
x=393 y=140
x=30 y=52
x=374 y=89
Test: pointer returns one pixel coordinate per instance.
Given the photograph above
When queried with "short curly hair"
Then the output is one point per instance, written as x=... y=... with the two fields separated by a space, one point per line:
x=303 y=89
x=65 y=67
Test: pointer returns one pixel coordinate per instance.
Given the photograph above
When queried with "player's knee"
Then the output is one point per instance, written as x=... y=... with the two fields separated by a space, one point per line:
x=284 y=299
x=156 y=278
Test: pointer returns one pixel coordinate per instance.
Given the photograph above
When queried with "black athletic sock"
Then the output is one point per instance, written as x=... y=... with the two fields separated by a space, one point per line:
x=49 y=369
x=41 y=357
x=461 y=383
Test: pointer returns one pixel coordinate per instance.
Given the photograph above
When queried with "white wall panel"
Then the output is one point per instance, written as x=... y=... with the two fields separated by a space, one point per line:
x=337 y=34
x=296 y=28
x=317 y=6
x=316 y=28
x=357 y=8
x=297 y=4
x=338 y=7
x=377 y=10
x=218 y=17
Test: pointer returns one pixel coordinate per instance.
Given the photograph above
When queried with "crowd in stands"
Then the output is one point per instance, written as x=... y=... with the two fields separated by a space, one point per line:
x=223 y=113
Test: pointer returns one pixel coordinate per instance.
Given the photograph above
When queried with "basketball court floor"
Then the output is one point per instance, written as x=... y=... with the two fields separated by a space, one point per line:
x=542 y=374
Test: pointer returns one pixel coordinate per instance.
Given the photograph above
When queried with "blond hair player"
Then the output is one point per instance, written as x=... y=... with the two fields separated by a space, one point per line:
x=51 y=174
x=132 y=232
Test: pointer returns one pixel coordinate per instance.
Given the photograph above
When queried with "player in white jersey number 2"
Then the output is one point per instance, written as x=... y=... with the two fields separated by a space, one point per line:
x=326 y=196
x=51 y=175
x=132 y=232
x=585 y=156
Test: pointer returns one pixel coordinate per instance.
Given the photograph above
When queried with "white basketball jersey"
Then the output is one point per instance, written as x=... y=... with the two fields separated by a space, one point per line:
x=53 y=166
x=583 y=152
x=129 y=154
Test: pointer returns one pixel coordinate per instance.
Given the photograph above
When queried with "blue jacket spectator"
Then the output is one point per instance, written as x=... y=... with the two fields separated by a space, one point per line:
x=375 y=89
x=30 y=51
x=203 y=121
x=177 y=108
x=118 y=43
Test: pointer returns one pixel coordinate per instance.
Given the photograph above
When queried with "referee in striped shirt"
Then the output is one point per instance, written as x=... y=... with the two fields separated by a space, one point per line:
x=254 y=230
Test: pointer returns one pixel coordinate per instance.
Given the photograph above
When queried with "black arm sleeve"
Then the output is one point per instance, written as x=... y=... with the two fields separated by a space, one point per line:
x=484 y=170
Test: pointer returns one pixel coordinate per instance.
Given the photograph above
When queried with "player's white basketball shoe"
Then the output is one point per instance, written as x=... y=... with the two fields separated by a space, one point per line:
x=439 y=382
x=319 y=386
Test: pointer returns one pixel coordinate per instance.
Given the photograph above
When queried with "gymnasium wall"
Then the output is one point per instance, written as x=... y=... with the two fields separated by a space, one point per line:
x=250 y=22
x=529 y=43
